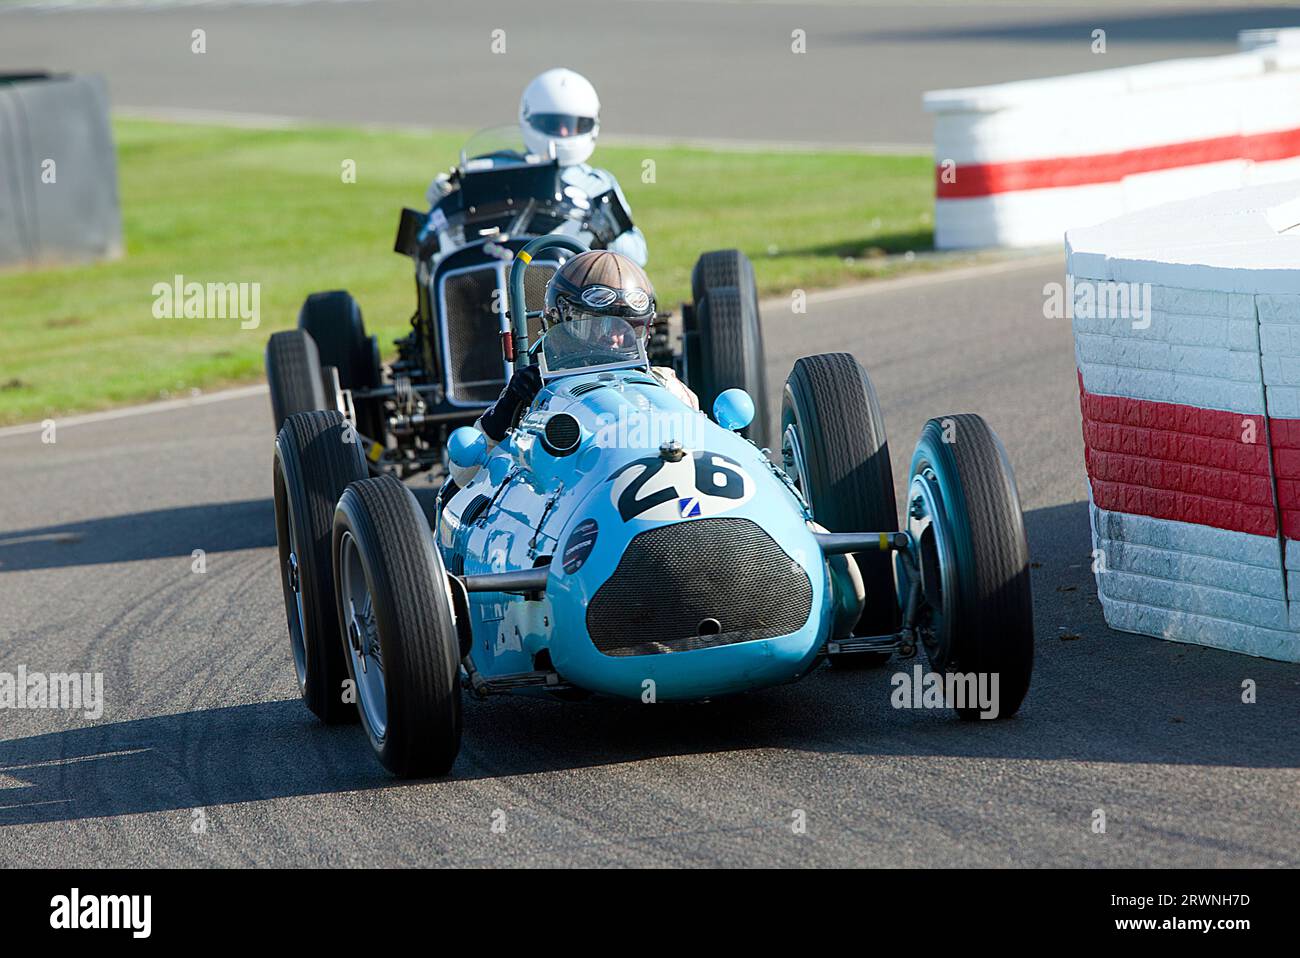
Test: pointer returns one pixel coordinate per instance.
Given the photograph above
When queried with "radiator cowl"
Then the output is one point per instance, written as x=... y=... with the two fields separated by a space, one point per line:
x=696 y=585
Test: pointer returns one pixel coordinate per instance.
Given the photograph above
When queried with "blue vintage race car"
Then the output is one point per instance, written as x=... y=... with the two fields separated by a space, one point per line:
x=619 y=542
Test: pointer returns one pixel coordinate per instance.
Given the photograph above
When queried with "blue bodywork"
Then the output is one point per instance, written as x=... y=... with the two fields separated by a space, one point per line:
x=527 y=505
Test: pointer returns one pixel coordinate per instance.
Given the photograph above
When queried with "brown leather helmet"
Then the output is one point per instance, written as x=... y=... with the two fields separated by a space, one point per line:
x=600 y=283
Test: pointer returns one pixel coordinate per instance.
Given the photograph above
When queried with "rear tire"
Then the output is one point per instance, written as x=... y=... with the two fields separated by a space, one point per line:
x=834 y=445
x=393 y=594
x=293 y=374
x=729 y=334
x=724 y=268
x=314 y=463
x=974 y=557
x=334 y=321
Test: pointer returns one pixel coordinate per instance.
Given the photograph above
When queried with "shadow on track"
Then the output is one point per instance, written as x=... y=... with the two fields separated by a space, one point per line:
x=1098 y=696
x=158 y=534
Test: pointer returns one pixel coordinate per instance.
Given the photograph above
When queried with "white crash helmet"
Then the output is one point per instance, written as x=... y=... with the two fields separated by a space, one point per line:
x=559 y=115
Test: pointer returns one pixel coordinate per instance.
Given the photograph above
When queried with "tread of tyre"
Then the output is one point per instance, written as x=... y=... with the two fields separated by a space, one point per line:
x=731 y=346
x=850 y=479
x=334 y=321
x=993 y=631
x=723 y=268
x=417 y=635
x=293 y=375
x=313 y=465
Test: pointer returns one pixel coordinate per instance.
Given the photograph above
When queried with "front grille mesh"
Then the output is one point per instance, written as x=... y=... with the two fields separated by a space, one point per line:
x=473 y=336
x=473 y=329
x=674 y=578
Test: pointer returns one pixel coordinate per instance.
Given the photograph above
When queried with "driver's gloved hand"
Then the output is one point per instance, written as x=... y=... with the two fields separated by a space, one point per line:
x=518 y=395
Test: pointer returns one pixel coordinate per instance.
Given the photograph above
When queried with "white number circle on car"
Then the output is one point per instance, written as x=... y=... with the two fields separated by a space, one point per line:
x=700 y=484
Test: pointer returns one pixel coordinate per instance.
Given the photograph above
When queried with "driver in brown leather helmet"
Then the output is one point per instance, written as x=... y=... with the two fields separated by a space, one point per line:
x=590 y=285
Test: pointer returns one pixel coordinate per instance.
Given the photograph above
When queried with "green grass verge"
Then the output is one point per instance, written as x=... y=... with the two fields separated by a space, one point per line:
x=216 y=204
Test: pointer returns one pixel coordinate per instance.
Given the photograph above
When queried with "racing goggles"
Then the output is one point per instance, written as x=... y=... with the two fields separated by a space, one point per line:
x=561 y=124
x=633 y=304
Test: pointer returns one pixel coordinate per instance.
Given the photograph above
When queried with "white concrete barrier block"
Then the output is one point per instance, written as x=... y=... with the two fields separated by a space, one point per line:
x=1278 y=340
x=1194 y=569
x=1283 y=402
x=1186 y=537
x=1195 y=599
x=1204 y=331
x=1224 y=336
x=1244 y=335
x=1246 y=398
x=1281 y=370
x=1216 y=633
x=1190 y=302
x=1279 y=308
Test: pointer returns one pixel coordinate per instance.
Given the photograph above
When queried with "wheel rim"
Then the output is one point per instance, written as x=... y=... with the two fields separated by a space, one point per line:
x=361 y=638
x=793 y=460
x=928 y=526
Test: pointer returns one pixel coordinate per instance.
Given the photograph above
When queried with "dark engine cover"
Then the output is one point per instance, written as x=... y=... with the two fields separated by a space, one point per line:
x=696 y=585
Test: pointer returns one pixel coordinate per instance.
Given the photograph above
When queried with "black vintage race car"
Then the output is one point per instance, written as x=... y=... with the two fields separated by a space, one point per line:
x=453 y=363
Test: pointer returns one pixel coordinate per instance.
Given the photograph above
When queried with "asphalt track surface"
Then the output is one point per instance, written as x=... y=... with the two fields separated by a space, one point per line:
x=201 y=715
x=670 y=68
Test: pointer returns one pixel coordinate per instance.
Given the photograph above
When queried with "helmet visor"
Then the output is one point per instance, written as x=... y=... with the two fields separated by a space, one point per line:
x=591 y=341
x=561 y=124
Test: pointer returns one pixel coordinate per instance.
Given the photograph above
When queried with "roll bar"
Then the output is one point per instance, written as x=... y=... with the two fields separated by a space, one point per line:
x=518 y=303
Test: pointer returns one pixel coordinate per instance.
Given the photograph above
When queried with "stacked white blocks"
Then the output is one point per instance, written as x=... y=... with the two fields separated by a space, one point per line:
x=1191 y=418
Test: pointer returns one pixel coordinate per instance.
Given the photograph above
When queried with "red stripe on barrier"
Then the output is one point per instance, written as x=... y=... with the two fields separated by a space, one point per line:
x=985 y=179
x=1178 y=462
x=1285 y=434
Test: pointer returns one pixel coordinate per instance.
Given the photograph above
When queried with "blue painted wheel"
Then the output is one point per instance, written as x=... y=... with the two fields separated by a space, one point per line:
x=963 y=512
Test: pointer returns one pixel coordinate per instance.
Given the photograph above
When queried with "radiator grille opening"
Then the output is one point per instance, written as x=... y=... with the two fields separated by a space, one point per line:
x=696 y=585
x=476 y=371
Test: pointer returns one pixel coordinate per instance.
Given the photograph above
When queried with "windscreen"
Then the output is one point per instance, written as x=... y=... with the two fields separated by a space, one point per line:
x=502 y=144
x=591 y=341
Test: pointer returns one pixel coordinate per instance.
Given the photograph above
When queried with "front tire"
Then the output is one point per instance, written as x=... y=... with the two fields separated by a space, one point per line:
x=395 y=611
x=834 y=445
x=964 y=514
x=314 y=463
x=728 y=331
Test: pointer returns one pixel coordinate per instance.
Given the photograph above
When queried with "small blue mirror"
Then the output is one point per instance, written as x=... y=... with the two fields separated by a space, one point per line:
x=467 y=447
x=733 y=409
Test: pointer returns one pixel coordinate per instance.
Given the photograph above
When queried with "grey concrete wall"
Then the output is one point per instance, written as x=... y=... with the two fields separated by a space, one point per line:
x=70 y=212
